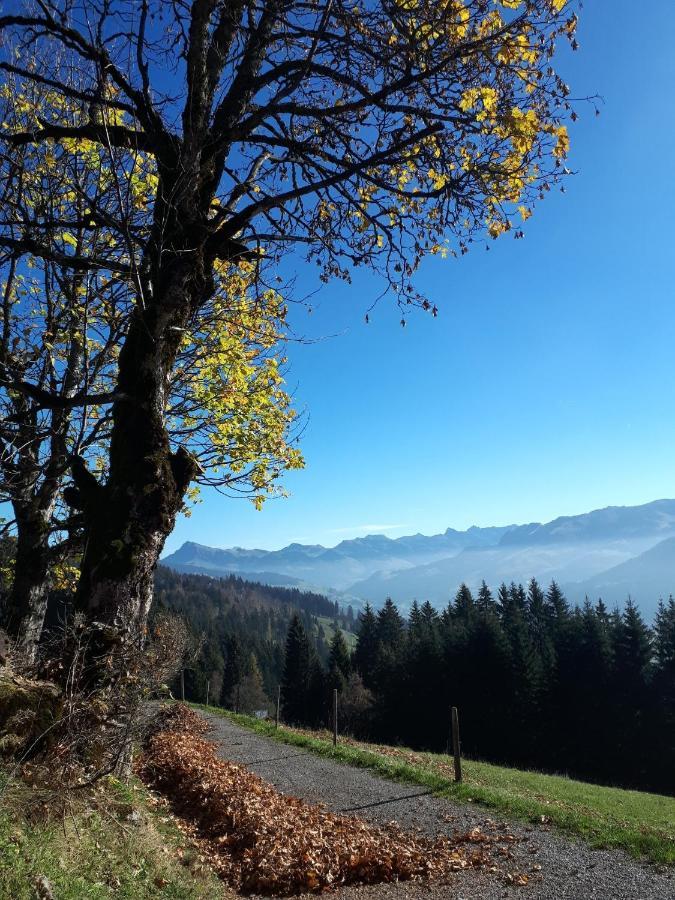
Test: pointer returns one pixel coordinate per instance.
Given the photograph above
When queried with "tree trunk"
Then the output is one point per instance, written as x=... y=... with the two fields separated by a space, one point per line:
x=27 y=602
x=128 y=519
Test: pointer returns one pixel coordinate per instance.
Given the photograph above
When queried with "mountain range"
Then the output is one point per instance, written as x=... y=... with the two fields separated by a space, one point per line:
x=610 y=553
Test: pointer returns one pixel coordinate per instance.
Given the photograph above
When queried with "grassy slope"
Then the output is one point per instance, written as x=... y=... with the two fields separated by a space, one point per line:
x=641 y=824
x=93 y=854
x=350 y=637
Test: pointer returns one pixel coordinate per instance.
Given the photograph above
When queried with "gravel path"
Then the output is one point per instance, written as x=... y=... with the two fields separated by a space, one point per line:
x=568 y=869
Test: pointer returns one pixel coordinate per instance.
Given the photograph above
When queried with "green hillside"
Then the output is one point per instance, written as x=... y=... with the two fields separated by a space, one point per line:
x=328 y=626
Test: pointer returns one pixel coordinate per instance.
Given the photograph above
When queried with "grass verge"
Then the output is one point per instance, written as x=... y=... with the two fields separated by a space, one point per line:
x=118 y=846
x=642 y=824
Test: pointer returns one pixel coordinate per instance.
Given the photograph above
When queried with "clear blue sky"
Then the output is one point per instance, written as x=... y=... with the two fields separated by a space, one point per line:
x=546 y=386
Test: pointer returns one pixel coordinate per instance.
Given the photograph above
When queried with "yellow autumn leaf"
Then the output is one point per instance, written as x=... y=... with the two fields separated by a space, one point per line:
x=69 y=238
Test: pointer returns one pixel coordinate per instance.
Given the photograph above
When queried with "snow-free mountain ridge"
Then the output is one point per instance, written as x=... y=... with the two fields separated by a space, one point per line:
x=612 y=552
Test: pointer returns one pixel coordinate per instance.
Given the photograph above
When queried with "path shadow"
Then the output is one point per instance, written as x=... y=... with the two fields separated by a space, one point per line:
x=384 y=802
x=256 y=762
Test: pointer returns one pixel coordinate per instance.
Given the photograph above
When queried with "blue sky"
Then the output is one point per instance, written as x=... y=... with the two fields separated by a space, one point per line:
x=546 y=386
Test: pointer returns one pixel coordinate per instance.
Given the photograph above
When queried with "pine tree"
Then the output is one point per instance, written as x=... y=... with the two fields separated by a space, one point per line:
x=389 y=669
x=484 y=600
x=295 y=679
x=414 y=619
x=464 y=604
x=420 y=669
x=633 y=648
x=538 y=624
x=429 y=615
x=662 y=717
x=633 y=658
x=485 y=713
x=664 y=638
x=390 y=628
x=502 y=598
x=525 y=679
x=235 y=667
x=319 y=703
x=251 y=693
x=366 y=645
x=556 y=603
x=339 y=661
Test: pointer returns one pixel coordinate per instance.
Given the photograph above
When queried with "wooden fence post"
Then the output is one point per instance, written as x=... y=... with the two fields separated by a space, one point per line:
x=456 y=752
x=182 y=685
x=335 y=722
x=276 y=721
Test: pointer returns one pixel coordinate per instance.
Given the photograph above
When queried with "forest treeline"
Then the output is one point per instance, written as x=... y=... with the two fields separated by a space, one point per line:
x=234 y=622
x=539 y=682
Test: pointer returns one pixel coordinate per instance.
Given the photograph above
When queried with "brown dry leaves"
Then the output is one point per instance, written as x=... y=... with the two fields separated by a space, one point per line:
x=262 y=841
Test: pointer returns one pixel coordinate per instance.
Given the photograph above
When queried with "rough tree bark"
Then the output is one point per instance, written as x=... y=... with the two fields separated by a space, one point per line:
x=128 y=519
x=28 y=598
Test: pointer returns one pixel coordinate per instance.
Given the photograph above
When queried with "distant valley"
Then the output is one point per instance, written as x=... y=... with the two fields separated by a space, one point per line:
x=610 y=553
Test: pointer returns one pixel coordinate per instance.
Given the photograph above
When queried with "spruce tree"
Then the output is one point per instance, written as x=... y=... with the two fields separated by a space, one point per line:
x=464 y=604
x=295 y=679
x=235 y=668
x=633 y=660
x=366 y=645
x=429 y=615
x=390 y=627
x=339 y=661
x=662 y=713
x=319 y=703
x=556 y=603
x=633 y=648
x=538 y=624
x=414 y=619
x=389 y=670
x=525 y=680
x=485 y=701
x=664 y=638
x=251 y=692
x=484 y=600
x=420 y=670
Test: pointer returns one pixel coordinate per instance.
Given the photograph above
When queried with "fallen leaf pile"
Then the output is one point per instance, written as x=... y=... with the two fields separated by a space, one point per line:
x=262 y=841
x=179 y=717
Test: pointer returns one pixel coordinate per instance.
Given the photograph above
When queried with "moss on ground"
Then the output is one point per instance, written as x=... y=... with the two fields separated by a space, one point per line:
x=118 y=845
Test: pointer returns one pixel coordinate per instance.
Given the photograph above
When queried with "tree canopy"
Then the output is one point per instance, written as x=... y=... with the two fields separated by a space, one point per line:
x=197 y=145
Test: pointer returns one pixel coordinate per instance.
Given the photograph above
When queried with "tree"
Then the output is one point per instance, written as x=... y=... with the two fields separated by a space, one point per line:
x=58 y=334
x=484 y=601
x=525 y=677
x=339 y=661
x=421 y=669
x=296 y=677
x=252 y=696
x=366 y=645
x=356 y=707
x=223 y=388
x=233 y=673
x=390 y=627
x=633 y=655
x=662 y=738
x=539 y=627
x=368 y=136
x=388 y=673
x=632 y=673
x=463 y=607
